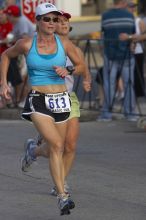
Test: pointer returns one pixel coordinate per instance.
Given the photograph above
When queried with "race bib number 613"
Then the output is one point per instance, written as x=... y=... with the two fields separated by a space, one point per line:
x=58 y=103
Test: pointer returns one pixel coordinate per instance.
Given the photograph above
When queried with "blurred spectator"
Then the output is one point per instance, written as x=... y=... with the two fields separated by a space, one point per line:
x=144 y=19
x=2 y=3
x=13 y=73
x=139 y=84
x=6 y=3
x=22 y=27
x=5 y=28
x=138 y=50
x=118 y=58
x=120 y=88
x=10 y=2
x=99 y=80
x=134 y=37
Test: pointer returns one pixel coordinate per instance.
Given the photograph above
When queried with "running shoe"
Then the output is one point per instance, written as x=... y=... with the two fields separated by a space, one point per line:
x=70 y=201
x=66 y=190
x=63 y=204
x=29 y=156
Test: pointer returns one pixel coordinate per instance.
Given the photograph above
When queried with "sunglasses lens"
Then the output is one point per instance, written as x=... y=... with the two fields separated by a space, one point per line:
x=48 y=19
x=55 y=19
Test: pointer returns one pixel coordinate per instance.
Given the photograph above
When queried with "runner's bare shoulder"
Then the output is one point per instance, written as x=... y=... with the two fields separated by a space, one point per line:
x=24 y=44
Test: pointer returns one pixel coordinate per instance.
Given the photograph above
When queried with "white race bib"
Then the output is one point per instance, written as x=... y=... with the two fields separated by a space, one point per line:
x=58 y=103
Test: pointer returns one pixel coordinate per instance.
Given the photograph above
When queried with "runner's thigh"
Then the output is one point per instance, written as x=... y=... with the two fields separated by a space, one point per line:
x=47 y=128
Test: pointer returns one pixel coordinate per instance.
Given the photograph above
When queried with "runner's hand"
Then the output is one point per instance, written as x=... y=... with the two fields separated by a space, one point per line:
x=61 y=71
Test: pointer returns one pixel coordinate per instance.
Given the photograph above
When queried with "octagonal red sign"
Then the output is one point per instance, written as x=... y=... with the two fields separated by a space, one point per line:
x=28 y=7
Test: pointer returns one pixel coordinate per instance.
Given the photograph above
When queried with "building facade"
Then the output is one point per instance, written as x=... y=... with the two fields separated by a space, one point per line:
x=75 y=7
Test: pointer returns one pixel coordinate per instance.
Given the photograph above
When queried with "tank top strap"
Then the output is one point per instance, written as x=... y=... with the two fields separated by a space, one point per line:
x=33 y=45
x=59 y=42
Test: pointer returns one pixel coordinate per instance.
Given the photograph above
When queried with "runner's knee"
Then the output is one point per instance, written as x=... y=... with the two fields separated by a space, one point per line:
x=57 y=147
x=70 y=147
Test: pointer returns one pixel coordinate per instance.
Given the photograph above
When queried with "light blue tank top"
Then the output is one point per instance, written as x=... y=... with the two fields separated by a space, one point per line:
x=40 y=66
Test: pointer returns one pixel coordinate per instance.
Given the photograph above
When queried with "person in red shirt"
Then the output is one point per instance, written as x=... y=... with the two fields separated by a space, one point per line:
x=5 y=28
x=14 y=76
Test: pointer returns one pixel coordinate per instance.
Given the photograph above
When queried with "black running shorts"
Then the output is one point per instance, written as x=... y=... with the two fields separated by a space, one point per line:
x=35 y=103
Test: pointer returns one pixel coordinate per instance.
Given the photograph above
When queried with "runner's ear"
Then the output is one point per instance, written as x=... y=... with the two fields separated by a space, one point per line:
x=70 y=29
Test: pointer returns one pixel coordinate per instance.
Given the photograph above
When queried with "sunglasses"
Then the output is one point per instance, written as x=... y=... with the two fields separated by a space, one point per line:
x=48 y=19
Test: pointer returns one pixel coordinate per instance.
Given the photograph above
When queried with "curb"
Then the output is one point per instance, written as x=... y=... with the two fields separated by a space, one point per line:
x=86 y=116
x=10 y=114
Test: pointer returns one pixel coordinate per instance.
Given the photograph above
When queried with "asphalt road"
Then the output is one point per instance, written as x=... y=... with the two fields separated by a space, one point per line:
x=108 y=180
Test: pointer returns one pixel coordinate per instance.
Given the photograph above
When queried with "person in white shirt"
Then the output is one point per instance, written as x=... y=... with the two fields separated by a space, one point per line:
x=139 y=83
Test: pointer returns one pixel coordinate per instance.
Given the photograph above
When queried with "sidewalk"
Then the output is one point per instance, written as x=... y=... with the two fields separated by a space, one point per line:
x=15 y=114
x=86 y=114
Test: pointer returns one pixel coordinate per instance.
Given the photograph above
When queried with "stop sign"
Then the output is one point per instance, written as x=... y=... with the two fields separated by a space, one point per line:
x=28 y=7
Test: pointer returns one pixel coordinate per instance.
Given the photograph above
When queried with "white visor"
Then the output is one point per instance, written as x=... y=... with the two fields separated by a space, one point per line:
x=45 y=8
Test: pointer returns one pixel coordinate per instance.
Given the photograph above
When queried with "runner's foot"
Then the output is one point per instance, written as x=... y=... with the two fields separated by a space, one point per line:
x=29 y=156
x=63 y=204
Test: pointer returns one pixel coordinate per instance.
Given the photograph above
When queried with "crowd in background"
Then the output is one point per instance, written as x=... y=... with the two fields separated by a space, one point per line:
x=123 y=59
x=115 y=82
